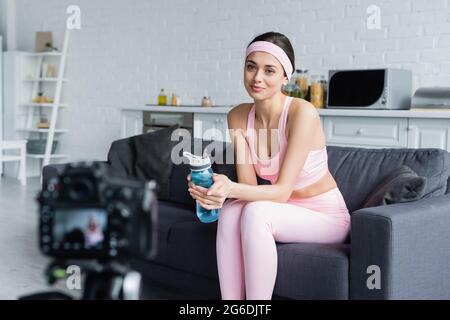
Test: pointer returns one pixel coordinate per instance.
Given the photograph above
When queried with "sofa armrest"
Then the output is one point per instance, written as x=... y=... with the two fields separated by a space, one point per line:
x=409 y=242
x=54 y=170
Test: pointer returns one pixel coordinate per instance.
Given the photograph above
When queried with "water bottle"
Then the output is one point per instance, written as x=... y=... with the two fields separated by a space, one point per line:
x=201 y=175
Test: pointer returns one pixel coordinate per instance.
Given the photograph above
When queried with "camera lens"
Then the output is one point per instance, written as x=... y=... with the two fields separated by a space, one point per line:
x=81 y=189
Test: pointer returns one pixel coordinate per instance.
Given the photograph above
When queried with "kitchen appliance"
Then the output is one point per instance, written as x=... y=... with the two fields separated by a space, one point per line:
x=154 y=121
x=385 y=89
x=431 y=98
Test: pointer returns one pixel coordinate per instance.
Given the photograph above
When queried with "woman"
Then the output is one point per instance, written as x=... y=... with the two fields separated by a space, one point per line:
x=302 y=204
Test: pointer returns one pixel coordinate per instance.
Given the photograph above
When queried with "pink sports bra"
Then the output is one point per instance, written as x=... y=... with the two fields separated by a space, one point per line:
x=316 y=164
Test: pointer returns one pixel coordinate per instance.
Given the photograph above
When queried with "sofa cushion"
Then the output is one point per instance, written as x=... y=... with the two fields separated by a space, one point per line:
x=170 y=214
x=313 y=271
x=329 y=280
x=358 y=171
x=191 y=246
x=401 y=185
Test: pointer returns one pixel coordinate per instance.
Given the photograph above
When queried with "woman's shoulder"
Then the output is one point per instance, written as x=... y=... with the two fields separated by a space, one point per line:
x=237 y=116
x=241 y=108
x=301 y=111
x=302 y=108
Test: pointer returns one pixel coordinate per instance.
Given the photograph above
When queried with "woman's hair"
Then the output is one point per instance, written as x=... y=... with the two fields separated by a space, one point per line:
x=280 y=40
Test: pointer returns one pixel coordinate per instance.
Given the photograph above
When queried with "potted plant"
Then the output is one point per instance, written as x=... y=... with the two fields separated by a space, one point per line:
x=49 y=47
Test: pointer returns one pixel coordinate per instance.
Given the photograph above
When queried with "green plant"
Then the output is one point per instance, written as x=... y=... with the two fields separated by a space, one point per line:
x=50 y=46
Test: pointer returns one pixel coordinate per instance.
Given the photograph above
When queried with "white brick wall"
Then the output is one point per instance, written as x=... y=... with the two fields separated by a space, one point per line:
x=127 y=50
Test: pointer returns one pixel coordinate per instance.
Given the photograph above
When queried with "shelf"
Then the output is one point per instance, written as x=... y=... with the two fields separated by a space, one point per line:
x=44 y=54
x=41 y=156
x=44 y=80
x=10 y=158
x=62 y=105
x=44 y=130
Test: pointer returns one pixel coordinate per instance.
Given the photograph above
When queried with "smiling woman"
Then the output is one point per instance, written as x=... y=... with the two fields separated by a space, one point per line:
x=302 y=203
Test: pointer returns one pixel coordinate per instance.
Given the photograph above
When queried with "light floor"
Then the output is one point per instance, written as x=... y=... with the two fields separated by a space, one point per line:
x=21 y=263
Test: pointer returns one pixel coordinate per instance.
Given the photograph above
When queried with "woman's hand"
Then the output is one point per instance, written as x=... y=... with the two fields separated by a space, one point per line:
x=215 y=196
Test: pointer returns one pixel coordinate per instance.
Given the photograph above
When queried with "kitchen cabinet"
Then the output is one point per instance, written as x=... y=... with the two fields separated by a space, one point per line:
x=387 y=128
x=209 y=123
x=429 y=133
x=211 y=127
x=374 y=132
x=342 y=127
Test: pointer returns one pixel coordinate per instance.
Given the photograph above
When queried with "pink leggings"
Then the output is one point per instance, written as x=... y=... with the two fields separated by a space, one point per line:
x=247 y=232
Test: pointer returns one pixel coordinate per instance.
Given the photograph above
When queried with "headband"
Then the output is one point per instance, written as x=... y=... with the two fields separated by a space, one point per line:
x=274 y=50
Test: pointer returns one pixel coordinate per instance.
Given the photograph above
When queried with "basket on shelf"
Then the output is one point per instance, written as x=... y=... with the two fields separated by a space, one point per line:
x=37 y=146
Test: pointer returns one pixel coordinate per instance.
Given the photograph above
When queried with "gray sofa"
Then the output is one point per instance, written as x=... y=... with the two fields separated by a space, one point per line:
x=409 y=242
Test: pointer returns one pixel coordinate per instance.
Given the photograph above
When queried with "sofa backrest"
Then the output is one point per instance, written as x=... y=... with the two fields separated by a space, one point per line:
x=357 y=171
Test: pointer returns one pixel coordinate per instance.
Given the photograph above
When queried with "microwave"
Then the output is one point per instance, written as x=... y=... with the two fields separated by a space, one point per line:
x=384 y=89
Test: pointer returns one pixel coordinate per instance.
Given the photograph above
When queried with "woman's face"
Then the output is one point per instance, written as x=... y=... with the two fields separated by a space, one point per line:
x=263 y=75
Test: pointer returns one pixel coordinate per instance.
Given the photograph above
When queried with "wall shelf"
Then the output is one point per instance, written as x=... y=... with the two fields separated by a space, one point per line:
x=34 y=74
x=44 y=54
x=45 y=105
x=44 y=80
x=41 y=156
x=44 y=130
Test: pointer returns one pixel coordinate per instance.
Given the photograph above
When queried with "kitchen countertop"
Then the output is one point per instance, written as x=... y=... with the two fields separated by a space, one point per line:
x=412 y=113
x=182 y=109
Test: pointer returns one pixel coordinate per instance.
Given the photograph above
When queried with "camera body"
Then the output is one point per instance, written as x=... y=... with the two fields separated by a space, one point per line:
x=86 y=213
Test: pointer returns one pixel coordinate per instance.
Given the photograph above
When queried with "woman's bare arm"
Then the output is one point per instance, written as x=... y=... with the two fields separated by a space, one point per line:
x=237 y=124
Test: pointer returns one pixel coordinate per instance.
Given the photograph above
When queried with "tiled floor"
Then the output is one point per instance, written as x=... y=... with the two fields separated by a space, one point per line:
x=21 y=264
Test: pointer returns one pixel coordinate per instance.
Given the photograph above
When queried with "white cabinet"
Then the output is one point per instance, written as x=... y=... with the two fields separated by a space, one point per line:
x=209 y=126
x=429 y=133
x=359 y=131
x=387 y=129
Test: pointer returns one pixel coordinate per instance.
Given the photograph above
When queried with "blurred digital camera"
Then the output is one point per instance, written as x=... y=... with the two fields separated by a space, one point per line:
x=86 y=213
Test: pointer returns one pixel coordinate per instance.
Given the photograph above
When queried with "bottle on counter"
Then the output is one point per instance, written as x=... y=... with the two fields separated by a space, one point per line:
x=206 y=102
x=162 y=98
x=174 y=100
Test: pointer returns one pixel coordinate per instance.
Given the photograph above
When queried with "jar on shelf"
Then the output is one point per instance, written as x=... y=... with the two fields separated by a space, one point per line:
x=317 y=91
x=323 y=80
x=302 y=82
x=298 y=86
x=43 y=123
x=288 y=89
